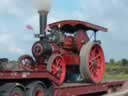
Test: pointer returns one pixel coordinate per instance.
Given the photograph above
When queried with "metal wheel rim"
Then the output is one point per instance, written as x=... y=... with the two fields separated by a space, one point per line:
x=16 y=93
x=39 y=93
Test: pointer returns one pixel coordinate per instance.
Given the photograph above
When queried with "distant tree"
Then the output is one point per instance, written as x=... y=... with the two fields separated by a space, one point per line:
x=112 y=61
x=124 y=62
x=13 y=61
x=119 y=62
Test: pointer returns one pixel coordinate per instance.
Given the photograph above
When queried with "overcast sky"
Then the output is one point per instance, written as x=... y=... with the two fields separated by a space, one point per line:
x=15 y=39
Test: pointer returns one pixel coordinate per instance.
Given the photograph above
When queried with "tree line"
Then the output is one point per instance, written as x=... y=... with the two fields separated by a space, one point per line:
x=123 y=62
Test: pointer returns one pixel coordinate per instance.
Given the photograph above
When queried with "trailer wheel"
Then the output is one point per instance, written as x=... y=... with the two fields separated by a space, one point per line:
x=57 y=67
x=17 y=92
x=36 y=89
x=25 y=62
x=12 y=89
x=92 y=62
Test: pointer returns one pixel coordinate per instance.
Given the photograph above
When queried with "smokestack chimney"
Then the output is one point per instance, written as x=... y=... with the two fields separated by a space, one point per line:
x=43 y=23
x=43 y=7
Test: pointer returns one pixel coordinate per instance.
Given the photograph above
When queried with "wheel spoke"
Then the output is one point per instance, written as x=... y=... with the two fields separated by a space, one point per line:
x=97 y=56
x=58 y=62
x=54 y=69
x=91 y=66
x=58 y=75
x=98 y=63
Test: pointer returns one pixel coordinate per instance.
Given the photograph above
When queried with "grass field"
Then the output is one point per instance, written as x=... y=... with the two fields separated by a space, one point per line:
x=116 y=72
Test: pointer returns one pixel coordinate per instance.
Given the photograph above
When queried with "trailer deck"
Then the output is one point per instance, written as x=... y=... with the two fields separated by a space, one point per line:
x=19 y=75
x=67 y=89
x=82 y=89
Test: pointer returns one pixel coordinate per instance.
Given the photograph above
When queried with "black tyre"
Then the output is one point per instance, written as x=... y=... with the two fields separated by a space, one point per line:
x=50 y=91
x=17 y=92
x=36 y=89
x=12 y=89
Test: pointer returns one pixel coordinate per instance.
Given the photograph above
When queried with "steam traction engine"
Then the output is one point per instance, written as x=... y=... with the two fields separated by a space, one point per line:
x=66 y=51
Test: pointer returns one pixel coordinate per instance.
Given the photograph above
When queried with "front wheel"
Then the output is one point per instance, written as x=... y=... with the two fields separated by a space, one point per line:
x=92 y=62
x=57 y=67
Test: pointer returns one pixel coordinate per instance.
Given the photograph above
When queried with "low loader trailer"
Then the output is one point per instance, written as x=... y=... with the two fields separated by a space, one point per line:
x=43 y=83
x=65 y=62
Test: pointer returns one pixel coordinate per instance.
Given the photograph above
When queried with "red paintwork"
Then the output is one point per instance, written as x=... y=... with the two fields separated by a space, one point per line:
x=80 y=39
x=72 y=59
x=68 y=42
x=55 y=48
x=20 y=75
x=77 y=24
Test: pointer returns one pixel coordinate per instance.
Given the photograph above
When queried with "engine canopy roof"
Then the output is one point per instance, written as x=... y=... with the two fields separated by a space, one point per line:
x=74 y=25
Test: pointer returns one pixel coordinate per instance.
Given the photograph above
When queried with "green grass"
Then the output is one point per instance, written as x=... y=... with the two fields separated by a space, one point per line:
x=115 y=77
x=116 y=72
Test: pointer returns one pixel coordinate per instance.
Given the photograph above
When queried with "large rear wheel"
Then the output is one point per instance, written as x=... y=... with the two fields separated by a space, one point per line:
x=92 y=62
x=57 y=67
